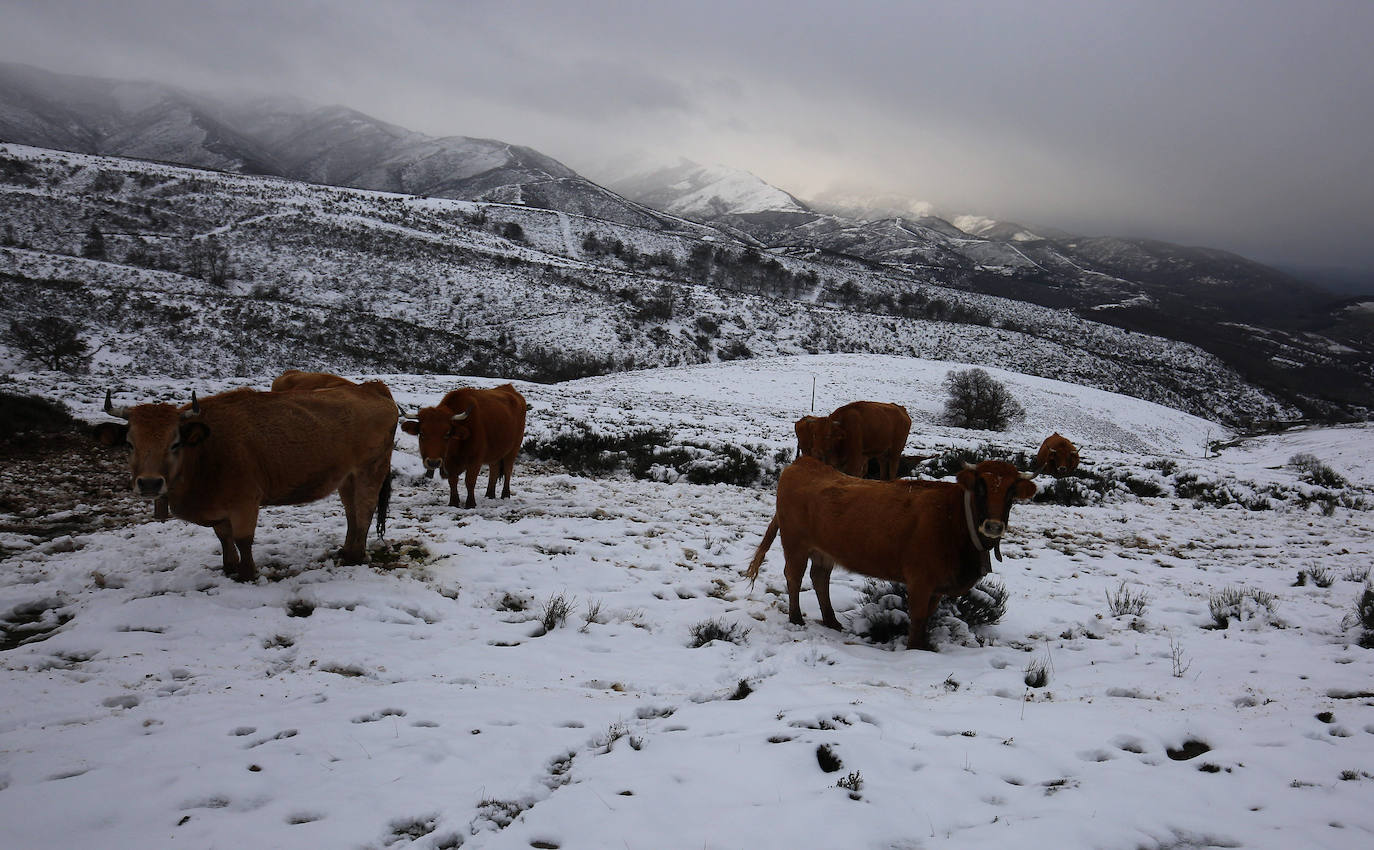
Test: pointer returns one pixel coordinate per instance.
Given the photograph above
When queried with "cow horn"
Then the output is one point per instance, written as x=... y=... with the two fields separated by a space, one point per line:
x=195 y=404
x=968 y=465
x=459 y=417
x=405 y=415
x=117 y=412
x=1028 y=475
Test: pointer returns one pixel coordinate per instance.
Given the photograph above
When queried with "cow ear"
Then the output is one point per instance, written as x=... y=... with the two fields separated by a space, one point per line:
x=411 y=426
x=110 y=433
x=967 y=478
x=194 y=433
x=1023 y=489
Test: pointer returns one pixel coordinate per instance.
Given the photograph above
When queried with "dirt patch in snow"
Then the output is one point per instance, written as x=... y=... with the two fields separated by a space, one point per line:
x=62 y=483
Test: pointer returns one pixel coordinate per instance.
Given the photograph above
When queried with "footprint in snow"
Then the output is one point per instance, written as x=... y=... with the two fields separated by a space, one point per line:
x=378 y=715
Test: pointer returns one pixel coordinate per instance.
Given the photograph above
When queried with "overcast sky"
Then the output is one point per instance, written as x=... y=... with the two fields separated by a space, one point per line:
x=1240 y=124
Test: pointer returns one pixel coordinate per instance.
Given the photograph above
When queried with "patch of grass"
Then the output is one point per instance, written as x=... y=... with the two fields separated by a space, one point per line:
x=742 y=690
x=1037 y=673
x=1123 y=601
x=1239 y=603
x=715 y=629
x=556 y=611
x=853 y=783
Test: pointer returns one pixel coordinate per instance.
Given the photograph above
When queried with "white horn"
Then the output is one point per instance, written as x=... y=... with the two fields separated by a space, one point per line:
x=117 y=412
x=459 y=417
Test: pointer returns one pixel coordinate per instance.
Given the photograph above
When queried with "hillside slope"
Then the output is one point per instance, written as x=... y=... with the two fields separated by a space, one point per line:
x=352 y=280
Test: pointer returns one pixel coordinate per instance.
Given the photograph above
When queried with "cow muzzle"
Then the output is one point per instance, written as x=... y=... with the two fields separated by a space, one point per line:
x=151 y=487
x=992 y=529
x=433 y=462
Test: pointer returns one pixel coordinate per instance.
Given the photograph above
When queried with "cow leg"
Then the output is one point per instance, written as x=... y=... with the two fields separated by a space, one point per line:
x=453 y=491
x=228 y=551
x=507 y=467
x=355 y=538
x=493 y=473
x=921 y=603
x=239 y=529
x=821 y=567
x=470 y=479
x=794 y=567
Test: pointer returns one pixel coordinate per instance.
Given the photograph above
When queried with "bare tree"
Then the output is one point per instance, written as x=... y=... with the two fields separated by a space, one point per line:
x=977 y=400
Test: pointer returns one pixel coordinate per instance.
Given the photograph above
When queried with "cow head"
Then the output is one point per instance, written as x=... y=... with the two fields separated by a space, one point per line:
x=990 y=488
x=158 y=436
x=436 y=427
x=1057 y=456
x=819 y=437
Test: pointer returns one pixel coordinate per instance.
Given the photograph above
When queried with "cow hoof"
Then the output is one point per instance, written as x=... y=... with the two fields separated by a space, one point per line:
x=349 y=559
x=242 y=575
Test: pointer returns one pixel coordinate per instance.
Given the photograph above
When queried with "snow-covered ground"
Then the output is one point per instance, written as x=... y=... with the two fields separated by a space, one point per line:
x=421 y=703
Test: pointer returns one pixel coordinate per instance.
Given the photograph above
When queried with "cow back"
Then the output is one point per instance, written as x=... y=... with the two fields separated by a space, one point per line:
x=870 y=527
x=295 y=379
x=496 y=423
x=871 y=428
x=274 y=448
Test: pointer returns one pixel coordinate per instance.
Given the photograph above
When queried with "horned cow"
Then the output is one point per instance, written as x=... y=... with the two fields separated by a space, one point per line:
x=935 y=536
x=470 y=428
x=854 y=434
x=222 y=458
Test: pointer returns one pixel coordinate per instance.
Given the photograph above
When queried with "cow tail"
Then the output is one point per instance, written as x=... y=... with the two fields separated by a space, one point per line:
x=759 y=553
x=383 y=502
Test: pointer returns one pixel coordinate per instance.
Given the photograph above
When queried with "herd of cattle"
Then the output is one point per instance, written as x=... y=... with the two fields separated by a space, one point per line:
x=216 y=461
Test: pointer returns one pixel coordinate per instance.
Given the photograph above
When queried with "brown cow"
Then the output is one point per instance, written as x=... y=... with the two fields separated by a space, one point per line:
x=854 y=434
x=295 y=379
x=1057 y=456
x=468 y=429
x=222 y=458
x=933 y=535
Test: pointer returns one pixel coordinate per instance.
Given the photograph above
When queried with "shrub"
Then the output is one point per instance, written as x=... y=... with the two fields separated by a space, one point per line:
x=556 y=611
x=1123 y=601
x=715 y=629
x=22 y=413
x=1037 y=673
x=1240 y=604
x=983 y=605
x=1313 y=471
x=977 y=400
x=882 y=617
x=1364 y=616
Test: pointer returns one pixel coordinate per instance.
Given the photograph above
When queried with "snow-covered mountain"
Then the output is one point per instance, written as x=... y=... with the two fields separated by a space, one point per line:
x=705 y=192
x=1285 y=334
x=288 y=137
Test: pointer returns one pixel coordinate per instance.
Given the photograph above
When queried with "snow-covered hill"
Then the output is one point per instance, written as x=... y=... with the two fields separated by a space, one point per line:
x=421 y=702
x=348 y=280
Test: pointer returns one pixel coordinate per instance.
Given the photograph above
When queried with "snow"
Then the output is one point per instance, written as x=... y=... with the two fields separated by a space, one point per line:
x=416 y=707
